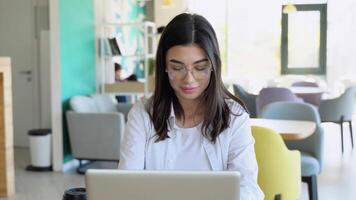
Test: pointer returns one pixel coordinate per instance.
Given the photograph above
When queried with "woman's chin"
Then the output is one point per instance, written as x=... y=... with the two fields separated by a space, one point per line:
x=189 y=96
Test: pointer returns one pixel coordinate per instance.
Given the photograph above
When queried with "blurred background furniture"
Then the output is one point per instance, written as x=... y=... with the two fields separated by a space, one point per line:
x=289 y=80
x=288 y=129
x=274 y=94
x=122 y=53
x=96 y=126
x=311 y=148
x=340 y=110
x=308 y=91
x=304 y=84
x=278 y=167
x=248 y=99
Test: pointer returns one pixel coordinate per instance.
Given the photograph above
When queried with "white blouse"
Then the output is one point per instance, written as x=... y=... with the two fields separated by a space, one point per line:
x=233 y=149
x=190 y=151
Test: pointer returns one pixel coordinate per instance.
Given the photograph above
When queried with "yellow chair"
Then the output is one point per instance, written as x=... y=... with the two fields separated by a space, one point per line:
x=279 y=167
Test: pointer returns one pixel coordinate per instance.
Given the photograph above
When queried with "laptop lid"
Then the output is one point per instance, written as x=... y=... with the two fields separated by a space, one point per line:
x=162 y=185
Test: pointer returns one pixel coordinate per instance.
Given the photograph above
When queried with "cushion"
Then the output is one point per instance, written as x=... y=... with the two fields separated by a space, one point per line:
x=310 y=165
x=104 y=103
x=83 y=104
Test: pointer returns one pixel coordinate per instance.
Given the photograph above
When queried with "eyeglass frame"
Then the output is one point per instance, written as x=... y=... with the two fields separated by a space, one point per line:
x=209 y=69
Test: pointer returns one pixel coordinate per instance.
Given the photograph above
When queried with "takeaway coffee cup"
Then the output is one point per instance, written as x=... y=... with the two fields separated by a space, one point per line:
x=75 y=194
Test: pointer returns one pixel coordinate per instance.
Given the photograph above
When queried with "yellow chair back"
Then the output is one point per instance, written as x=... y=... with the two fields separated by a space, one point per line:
x=279 y=167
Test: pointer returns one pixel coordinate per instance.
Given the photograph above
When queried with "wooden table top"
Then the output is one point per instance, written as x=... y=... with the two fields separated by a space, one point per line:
x=288 y=129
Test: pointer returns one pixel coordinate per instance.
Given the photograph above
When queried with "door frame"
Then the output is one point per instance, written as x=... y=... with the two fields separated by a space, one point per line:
x=55 y=77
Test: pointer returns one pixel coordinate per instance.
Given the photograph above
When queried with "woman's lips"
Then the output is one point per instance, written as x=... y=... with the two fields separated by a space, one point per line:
x=189 y=90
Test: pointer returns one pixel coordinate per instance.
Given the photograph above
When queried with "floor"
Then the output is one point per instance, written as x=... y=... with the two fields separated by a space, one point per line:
x=41 y=185
x=337 y=181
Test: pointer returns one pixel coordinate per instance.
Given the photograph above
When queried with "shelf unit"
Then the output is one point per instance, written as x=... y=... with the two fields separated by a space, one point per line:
x=107 y=83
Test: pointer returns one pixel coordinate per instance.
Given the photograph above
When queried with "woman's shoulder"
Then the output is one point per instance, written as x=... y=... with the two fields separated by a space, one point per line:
x=238 y=113
x=140 y=107
x=139 y=114
x=235 y=107
x=239 y=118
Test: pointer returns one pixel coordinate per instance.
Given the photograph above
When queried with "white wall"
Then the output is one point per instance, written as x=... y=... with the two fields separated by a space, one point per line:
x=164 y=14
x=341 y=47
x=254 y=29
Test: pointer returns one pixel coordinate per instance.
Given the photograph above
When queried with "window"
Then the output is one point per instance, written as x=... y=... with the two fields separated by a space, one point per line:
x=303 y=45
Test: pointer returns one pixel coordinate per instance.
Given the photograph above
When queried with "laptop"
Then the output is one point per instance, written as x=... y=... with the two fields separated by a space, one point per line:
x=162 y=185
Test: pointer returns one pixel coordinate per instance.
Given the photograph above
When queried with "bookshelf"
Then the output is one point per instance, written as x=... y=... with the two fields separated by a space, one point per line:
x=140 y=52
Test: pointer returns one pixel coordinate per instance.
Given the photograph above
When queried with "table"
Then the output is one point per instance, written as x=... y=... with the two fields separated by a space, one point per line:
x=310 y=95
x=288 y=129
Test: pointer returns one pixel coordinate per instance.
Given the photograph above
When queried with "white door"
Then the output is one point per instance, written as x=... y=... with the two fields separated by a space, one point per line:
x=17 y=40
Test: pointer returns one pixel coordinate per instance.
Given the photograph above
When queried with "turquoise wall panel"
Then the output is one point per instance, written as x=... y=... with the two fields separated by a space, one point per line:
x=77 y=50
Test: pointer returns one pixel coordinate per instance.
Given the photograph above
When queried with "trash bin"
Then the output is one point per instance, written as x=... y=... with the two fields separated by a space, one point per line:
x=40 y=150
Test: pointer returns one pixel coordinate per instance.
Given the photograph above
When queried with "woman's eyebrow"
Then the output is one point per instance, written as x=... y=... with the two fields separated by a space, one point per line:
x=201 y=60
x=196 y=62
x=176 y=61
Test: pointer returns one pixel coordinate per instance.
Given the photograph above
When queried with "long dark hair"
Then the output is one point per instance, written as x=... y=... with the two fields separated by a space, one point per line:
x=187 y=29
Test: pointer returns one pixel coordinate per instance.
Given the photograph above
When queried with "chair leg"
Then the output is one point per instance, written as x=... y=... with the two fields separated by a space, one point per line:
x=342 y=137
x=82 y=168
x=312 y=186
x=278 y=197
x=342 y=132
x=352 y=139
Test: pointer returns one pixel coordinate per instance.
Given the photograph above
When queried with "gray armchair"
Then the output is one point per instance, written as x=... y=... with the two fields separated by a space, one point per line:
x=96 y=126
x=339 y=110
x=274 y=94
x=248 y=99
x=311 y=148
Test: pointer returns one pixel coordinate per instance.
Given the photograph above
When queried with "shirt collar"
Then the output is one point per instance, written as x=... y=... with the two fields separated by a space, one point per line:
x=172 y=118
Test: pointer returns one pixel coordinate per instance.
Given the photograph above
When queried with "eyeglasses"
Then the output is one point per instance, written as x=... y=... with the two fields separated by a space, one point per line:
x=180 y=72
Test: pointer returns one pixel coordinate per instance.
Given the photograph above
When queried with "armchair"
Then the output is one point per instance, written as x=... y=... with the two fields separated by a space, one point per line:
x=95 y=126
x=278 y=167
x=248 y=99
x=311 y=148
x=274 y=94
x=339 y=110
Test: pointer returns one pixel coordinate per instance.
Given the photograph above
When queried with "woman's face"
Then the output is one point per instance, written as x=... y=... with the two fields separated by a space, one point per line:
x=189 y=71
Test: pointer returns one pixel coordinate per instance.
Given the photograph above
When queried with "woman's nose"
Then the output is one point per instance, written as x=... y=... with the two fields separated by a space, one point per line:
x=189 y=77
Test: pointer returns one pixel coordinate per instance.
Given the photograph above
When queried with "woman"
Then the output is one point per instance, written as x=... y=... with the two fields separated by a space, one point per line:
x=191 y=122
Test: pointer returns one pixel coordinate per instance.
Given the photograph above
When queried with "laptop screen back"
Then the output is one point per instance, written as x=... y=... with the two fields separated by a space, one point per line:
x=162 y=185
